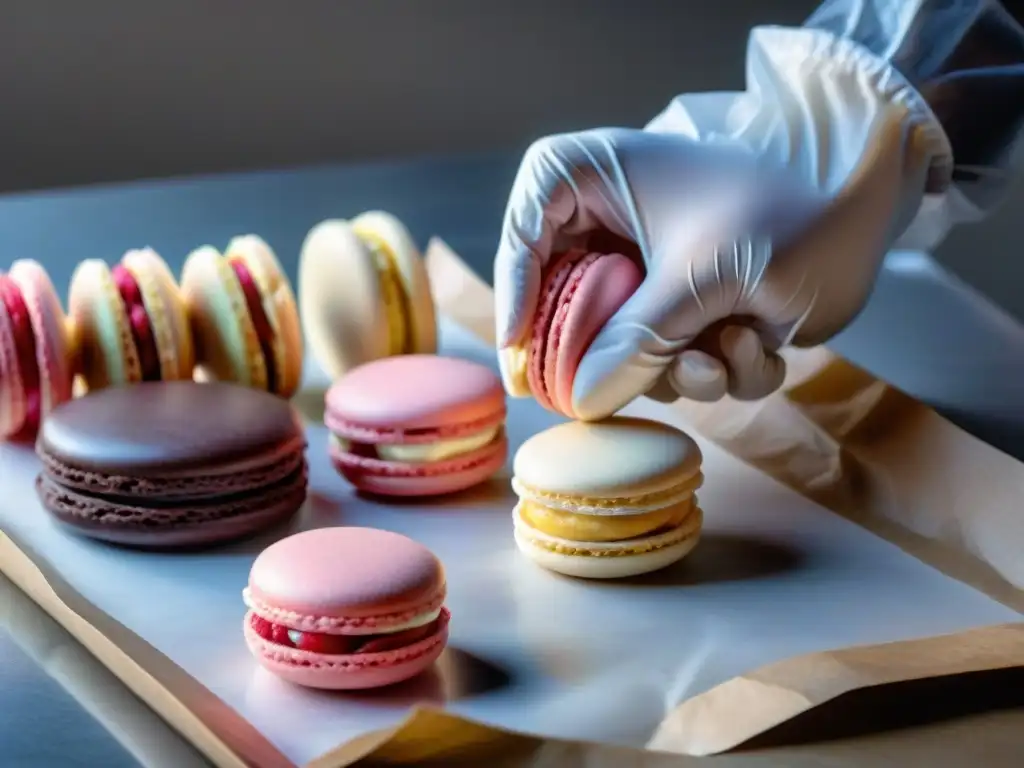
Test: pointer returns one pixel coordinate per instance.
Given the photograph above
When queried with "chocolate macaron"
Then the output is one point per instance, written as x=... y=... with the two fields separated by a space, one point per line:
x=166 y=464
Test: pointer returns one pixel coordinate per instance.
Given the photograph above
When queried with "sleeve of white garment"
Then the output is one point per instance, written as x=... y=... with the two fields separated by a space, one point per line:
x=951 y=70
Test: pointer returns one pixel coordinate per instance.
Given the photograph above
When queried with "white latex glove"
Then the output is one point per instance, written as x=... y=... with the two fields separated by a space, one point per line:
x=761 y=219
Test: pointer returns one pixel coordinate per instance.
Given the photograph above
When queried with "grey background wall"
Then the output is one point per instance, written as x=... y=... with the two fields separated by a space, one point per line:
x=121 y=89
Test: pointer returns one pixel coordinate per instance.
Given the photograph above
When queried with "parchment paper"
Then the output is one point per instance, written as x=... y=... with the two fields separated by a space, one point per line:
x=731 y=672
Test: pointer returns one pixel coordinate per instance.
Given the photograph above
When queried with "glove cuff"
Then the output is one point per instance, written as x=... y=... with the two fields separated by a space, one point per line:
x=810 y=55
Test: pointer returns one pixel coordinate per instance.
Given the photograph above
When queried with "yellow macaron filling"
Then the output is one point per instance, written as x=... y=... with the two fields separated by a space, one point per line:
x=654 y=500
x=574 y=526
x=514 y=361
x=427 y=452
x=396 y=302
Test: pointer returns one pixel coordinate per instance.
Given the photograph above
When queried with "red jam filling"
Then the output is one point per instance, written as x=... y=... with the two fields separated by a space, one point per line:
x=314 y=642
x=138 y=319
x=264 y=330
x=25 y=348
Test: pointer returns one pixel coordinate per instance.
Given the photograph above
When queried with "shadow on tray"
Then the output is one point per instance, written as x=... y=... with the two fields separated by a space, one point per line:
x=722 y=557
x=457 y=675
x=898 y=706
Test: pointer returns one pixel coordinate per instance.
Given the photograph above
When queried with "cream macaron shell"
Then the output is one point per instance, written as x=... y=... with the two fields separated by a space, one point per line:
x=343 y=313
x=619 y=457
x=100 y=325
x=607 y=563
x=342 y=301
x=278 y=304
x=166 y=310
x=384 y=228
x=629 y=482
x=224 y=333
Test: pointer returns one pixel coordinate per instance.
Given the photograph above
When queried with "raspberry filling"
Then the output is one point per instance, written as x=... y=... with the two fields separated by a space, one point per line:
x=264 y=330
x=25 y=348
x=138 y=319
x=315 y=642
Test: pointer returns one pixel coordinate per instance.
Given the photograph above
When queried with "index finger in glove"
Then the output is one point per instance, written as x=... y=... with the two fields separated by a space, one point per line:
x=560 y=193
x=540 y=204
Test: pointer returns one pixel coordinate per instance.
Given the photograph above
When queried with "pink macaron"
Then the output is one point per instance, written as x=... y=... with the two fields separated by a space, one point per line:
x=36 y=356
x=417 y=425
x=580 y=293
x=346 y=608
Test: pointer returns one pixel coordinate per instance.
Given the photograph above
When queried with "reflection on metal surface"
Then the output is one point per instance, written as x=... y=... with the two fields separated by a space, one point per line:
x=134 y=726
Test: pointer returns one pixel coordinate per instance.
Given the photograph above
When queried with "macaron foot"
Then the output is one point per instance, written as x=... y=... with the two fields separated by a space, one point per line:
x=592 y=562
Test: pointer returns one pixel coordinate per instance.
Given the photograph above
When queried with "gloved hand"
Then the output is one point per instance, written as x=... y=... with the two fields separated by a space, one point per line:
x=761 y=219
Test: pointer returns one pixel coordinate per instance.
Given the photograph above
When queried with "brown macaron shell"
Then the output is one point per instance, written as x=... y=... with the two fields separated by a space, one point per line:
x=164 y=464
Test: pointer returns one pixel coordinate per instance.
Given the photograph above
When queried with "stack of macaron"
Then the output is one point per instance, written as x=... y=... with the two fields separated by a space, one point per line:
x=607 y=499
x=346 y=608
x=597 y=500
x=172 y=463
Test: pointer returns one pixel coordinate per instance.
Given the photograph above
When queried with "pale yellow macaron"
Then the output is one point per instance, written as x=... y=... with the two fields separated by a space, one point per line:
x=607 y=499
x=364 y=293
x=128 y=322
x=243 y=316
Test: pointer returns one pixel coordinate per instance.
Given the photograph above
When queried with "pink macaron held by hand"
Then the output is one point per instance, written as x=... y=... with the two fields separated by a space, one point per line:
x=417 y=425
x=346 y=608
x=580 y=292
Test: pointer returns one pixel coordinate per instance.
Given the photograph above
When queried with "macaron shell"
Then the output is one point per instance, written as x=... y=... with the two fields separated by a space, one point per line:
x=166 y=311
x=167 y=526
x=103 y=337
x=597 y=287
x=373 y=577
x=408 y=392
x=621 y=456
x=340 y=303
x=547 y=308
x=13 y=399
x=227 y=347
x=350 y=672
x=53 y=346
x=620 y=567
x=169 y=463
x=413 y=272
x=222 y=432
x=279 y=305
x=391 y=478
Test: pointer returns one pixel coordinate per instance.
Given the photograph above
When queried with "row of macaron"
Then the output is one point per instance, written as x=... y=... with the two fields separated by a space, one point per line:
x=232 y=317
x=184 y=463
x=340 y=607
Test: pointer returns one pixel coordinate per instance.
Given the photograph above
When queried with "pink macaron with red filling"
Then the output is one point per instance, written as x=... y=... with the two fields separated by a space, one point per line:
x=346 y=608
x=417 y=425
x=36 y=358
x=580 y=293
